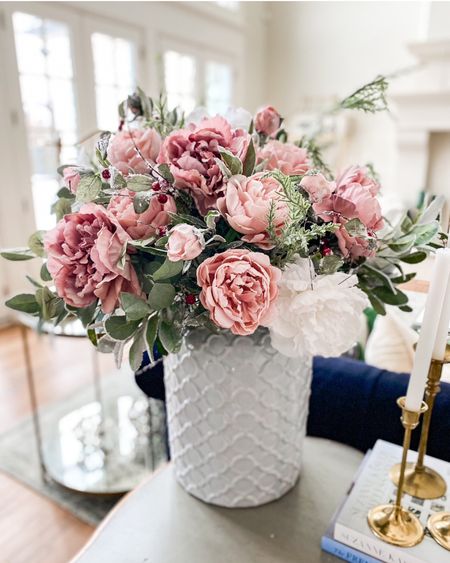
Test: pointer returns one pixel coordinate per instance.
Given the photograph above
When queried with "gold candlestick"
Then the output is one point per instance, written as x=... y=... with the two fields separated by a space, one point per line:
x=439 y=527
x=391 y=522
x=422 y=481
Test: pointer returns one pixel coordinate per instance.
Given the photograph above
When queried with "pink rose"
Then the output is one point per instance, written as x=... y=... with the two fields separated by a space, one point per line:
x=351 y=201
x=192 y=153
x=122 y=150
x=71 y=178
x=354 y=247
x=84 y=258
x=239 y=289
x=246 y=205
x=267 y=121
x=288 y=158
x=185 y=243
x=358 y=175
x=317 y=186
x=141 y=225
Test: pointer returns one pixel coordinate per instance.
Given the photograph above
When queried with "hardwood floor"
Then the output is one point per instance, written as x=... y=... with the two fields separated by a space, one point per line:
x=32 y=528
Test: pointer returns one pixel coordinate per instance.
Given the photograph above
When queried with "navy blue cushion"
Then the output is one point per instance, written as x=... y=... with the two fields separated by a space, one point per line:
x=351 y=402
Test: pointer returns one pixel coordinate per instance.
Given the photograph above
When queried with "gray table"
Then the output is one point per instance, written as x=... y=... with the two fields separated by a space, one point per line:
x=160 y=523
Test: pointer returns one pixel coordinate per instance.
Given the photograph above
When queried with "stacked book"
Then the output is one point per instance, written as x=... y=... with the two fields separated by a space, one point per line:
x=349 y=536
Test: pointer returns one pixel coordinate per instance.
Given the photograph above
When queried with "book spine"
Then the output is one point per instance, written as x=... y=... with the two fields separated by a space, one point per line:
x=372 y=546
x=344 y=552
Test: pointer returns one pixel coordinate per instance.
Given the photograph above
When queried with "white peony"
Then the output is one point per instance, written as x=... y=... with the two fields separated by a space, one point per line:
x=317 y=315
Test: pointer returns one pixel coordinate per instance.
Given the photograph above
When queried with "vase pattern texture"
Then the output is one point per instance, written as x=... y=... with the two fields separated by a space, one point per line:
x=237 y=414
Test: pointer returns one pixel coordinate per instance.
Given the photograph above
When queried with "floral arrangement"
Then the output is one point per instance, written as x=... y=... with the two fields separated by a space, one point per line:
x=219 y=222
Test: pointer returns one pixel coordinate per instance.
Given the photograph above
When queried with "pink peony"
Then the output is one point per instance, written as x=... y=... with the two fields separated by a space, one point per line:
x=192 y=153
x=141 y=225
x=317 y=186
x=358 y=175
x=185 y=243
x=354 y=247
x=267 y=121
x=246 y=205
x=288 y=158
x=351 y=201
x=239 y=289
x=71 y=178
x=122 y=150
x=84 y=251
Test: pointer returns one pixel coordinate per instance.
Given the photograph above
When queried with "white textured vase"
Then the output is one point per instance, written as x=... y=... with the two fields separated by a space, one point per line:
x=237 y=414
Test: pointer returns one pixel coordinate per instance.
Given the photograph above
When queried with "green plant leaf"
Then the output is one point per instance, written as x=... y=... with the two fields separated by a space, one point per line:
x=330 y=264
x=414 y=257
x=61 y=207
x=50 y=304
x=135 y=308
x=161 y=296
x=165 y=172
x=120 y=328
x=170 y=337
x=425 y=233
x=25 y=302
x=36 y=243
x=250 y=160
x=89 y=187
x=168 y=270
x=137 y=350
x=141 y=202
x=151 y=332
x=377 y=305
x=387 y=296
x=355 y=228
x=232 y=162
x=139 y=182
x=44 y=273
x=17 y=254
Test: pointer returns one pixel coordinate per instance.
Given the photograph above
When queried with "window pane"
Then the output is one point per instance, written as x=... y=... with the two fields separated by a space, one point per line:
x=218 y=87
x=45 y=71
x=179 y=80
x=115 y=76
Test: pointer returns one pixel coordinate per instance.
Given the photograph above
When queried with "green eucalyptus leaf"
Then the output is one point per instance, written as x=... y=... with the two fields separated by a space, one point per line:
x=36 y=243
x=17 y=254
x=135 y=308
x=139 y=182
x=120 y=328
x=387 y=296
x=250 y=160
x=414 y=258
x=50 y=304
x=25 y=302
x=170 y=337
x=61 y=207
x=151 y=332
x=377 y=304
x=232 y=162
x=89 y=187
x=164 y=171
x=168 y=270
x=137 y=350
x=161 y=296
x=425 y=233
x=330 y=264
x=355 y=228
x=65 y=192
x=141 y=202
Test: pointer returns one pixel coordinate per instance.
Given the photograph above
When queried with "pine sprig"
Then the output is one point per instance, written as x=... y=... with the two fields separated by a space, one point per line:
x=370 y=98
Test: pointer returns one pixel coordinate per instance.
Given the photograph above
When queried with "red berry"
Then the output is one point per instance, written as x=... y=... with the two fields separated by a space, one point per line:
x=121 y=124
x=162 y=231
x=156 y=187
x=106 y=174
x=162 y=198
x=190 y=299
x=326 y=251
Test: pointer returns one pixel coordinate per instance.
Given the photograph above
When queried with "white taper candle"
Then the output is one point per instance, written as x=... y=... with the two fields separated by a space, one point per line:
x=440 y=343
x=431 y=319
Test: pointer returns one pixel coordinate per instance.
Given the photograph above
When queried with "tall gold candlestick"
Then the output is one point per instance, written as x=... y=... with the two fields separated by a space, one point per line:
x=391 y=522
x=422 y=481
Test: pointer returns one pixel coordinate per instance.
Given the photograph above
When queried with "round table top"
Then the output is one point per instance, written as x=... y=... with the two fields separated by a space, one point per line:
x=160 y=523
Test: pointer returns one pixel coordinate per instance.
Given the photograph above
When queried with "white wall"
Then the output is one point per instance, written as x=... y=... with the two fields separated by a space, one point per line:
x=323 y=50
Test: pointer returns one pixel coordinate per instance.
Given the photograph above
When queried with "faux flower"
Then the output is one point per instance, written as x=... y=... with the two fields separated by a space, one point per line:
x=355 y=247
x=71 y=178
x=315 y=315
x=239 y=289
x=246 y=205
x=192 y=153
x=267 y=121
x=186 y=242
x=317 y=186
x=85 y=258
x=141 y=225
x=286 y=157
x=359 y=175
x=122 y=151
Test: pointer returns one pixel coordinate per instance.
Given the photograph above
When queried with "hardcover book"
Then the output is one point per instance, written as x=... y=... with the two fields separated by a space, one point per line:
x=373 y=487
